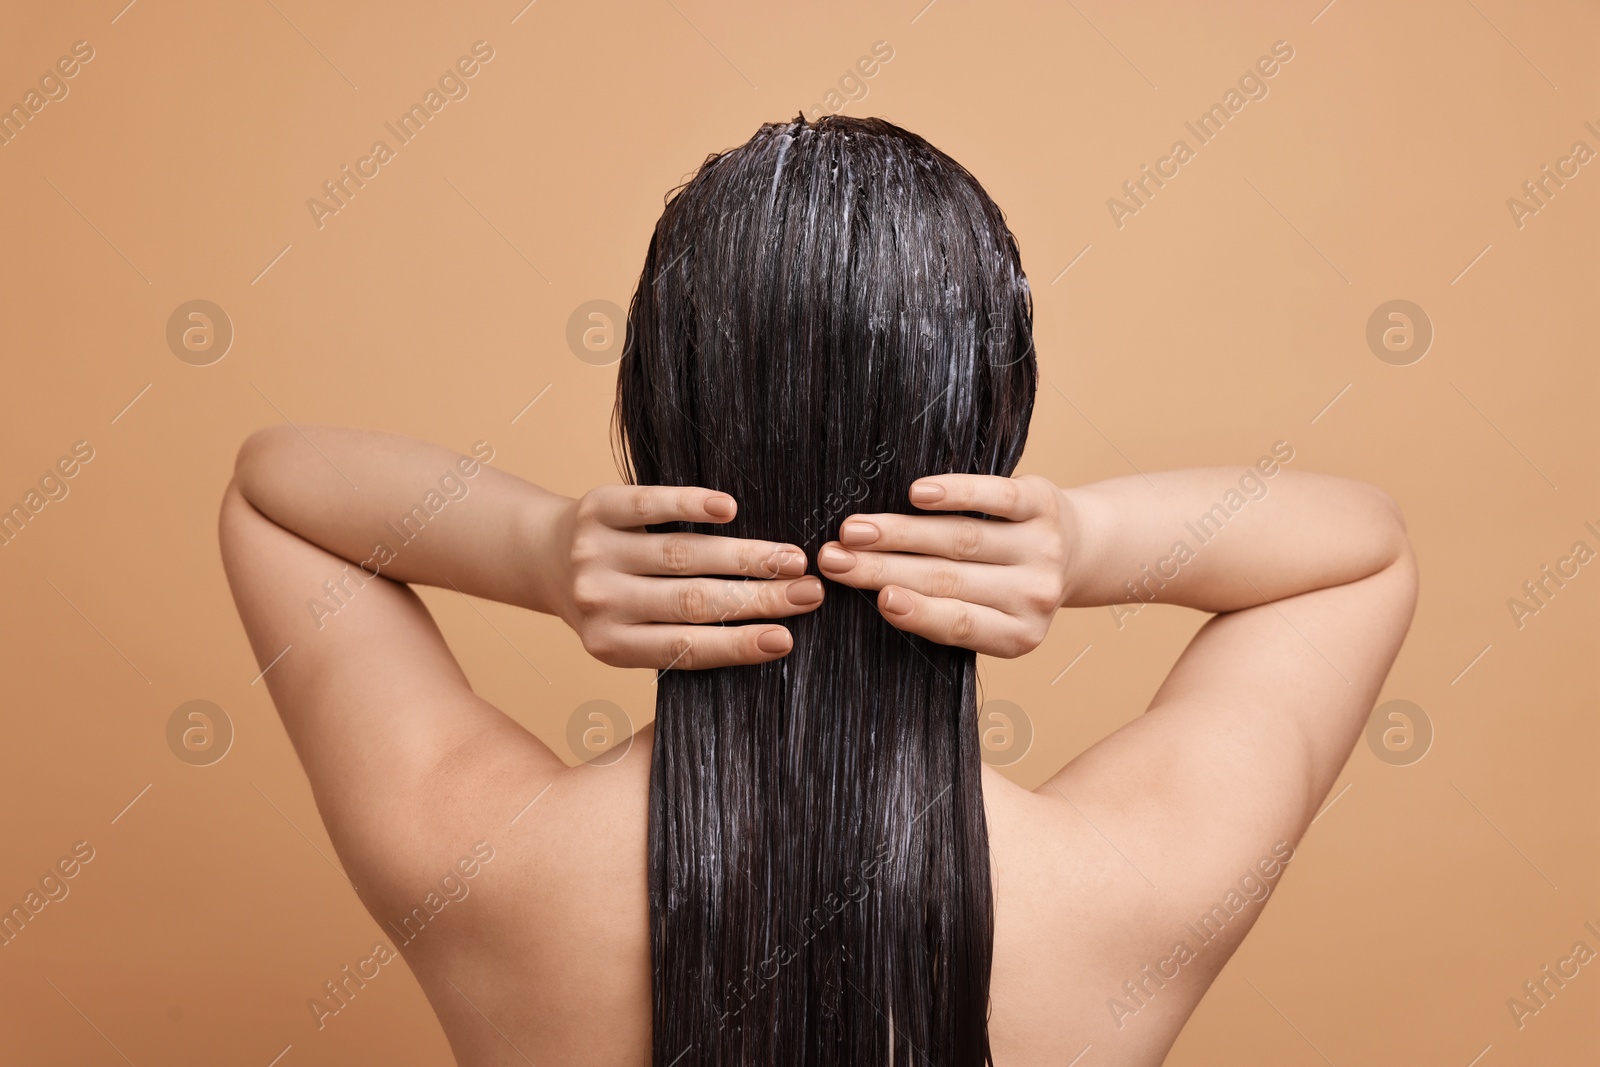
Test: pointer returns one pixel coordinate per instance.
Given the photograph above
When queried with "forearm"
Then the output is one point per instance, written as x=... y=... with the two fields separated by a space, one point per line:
x=408 y=510
x=1220 y=539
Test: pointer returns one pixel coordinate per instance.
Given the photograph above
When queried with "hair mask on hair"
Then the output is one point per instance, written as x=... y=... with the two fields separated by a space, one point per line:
x=826 y=313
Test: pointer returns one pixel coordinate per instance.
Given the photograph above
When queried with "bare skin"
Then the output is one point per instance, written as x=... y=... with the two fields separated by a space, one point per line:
x=1098 y=873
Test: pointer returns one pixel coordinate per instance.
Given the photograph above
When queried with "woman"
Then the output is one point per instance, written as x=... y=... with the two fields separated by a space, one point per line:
x=827 y=383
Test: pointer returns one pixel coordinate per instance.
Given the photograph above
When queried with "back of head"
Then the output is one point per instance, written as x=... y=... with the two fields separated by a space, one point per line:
x=827 y=313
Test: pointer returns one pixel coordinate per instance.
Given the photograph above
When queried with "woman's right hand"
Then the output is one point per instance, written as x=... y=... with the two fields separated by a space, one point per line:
x=991 y=585
x=639 y=599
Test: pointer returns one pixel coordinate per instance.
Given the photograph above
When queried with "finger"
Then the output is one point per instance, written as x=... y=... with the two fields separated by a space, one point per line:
x=628 y=506
x=690 y=648
x=691 y=553
x=978 y=583
x=1018 y=499
x=950 y=536
x=697 y=601
x=955 y=622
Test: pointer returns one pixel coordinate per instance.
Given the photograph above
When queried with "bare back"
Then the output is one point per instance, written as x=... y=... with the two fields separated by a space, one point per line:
x=1096 y=886
x=1121 y=886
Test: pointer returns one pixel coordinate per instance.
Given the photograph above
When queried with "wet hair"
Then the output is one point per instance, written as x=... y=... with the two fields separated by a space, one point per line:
x=826 y=313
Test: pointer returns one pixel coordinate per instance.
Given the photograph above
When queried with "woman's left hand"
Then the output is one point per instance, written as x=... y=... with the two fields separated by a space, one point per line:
x=641 y=599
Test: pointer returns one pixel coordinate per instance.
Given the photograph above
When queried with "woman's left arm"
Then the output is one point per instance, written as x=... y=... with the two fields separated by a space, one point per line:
x=322 y=528
x=415 y=512
x=409 y=510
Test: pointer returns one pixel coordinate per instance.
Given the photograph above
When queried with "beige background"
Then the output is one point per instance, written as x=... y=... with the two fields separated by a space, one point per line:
x=1229 y=313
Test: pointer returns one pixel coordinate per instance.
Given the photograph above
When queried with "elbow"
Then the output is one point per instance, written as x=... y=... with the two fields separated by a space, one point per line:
x=230 y=512
x=1390 y=539
x=259 y=443
x=1392 y=510
x=1405 y=579
x=1399 y=536
x=1391 y=553
x=254 y=455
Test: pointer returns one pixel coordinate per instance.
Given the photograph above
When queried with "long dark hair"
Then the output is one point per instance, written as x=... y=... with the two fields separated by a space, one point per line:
x=826 y=313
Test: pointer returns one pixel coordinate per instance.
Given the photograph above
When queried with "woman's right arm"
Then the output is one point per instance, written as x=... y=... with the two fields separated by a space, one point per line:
x=1216 y=539
x=1312 y=582
x=1221 y=539
x=1313 y=585
x=1311 y=577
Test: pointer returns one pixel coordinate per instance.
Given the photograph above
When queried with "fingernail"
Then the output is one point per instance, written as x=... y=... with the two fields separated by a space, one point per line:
x=896 y=602
x=805 y=592
x=720 y=506
x=926 y=492
x=774 y=641
x=836 y=559
x=857 y=532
